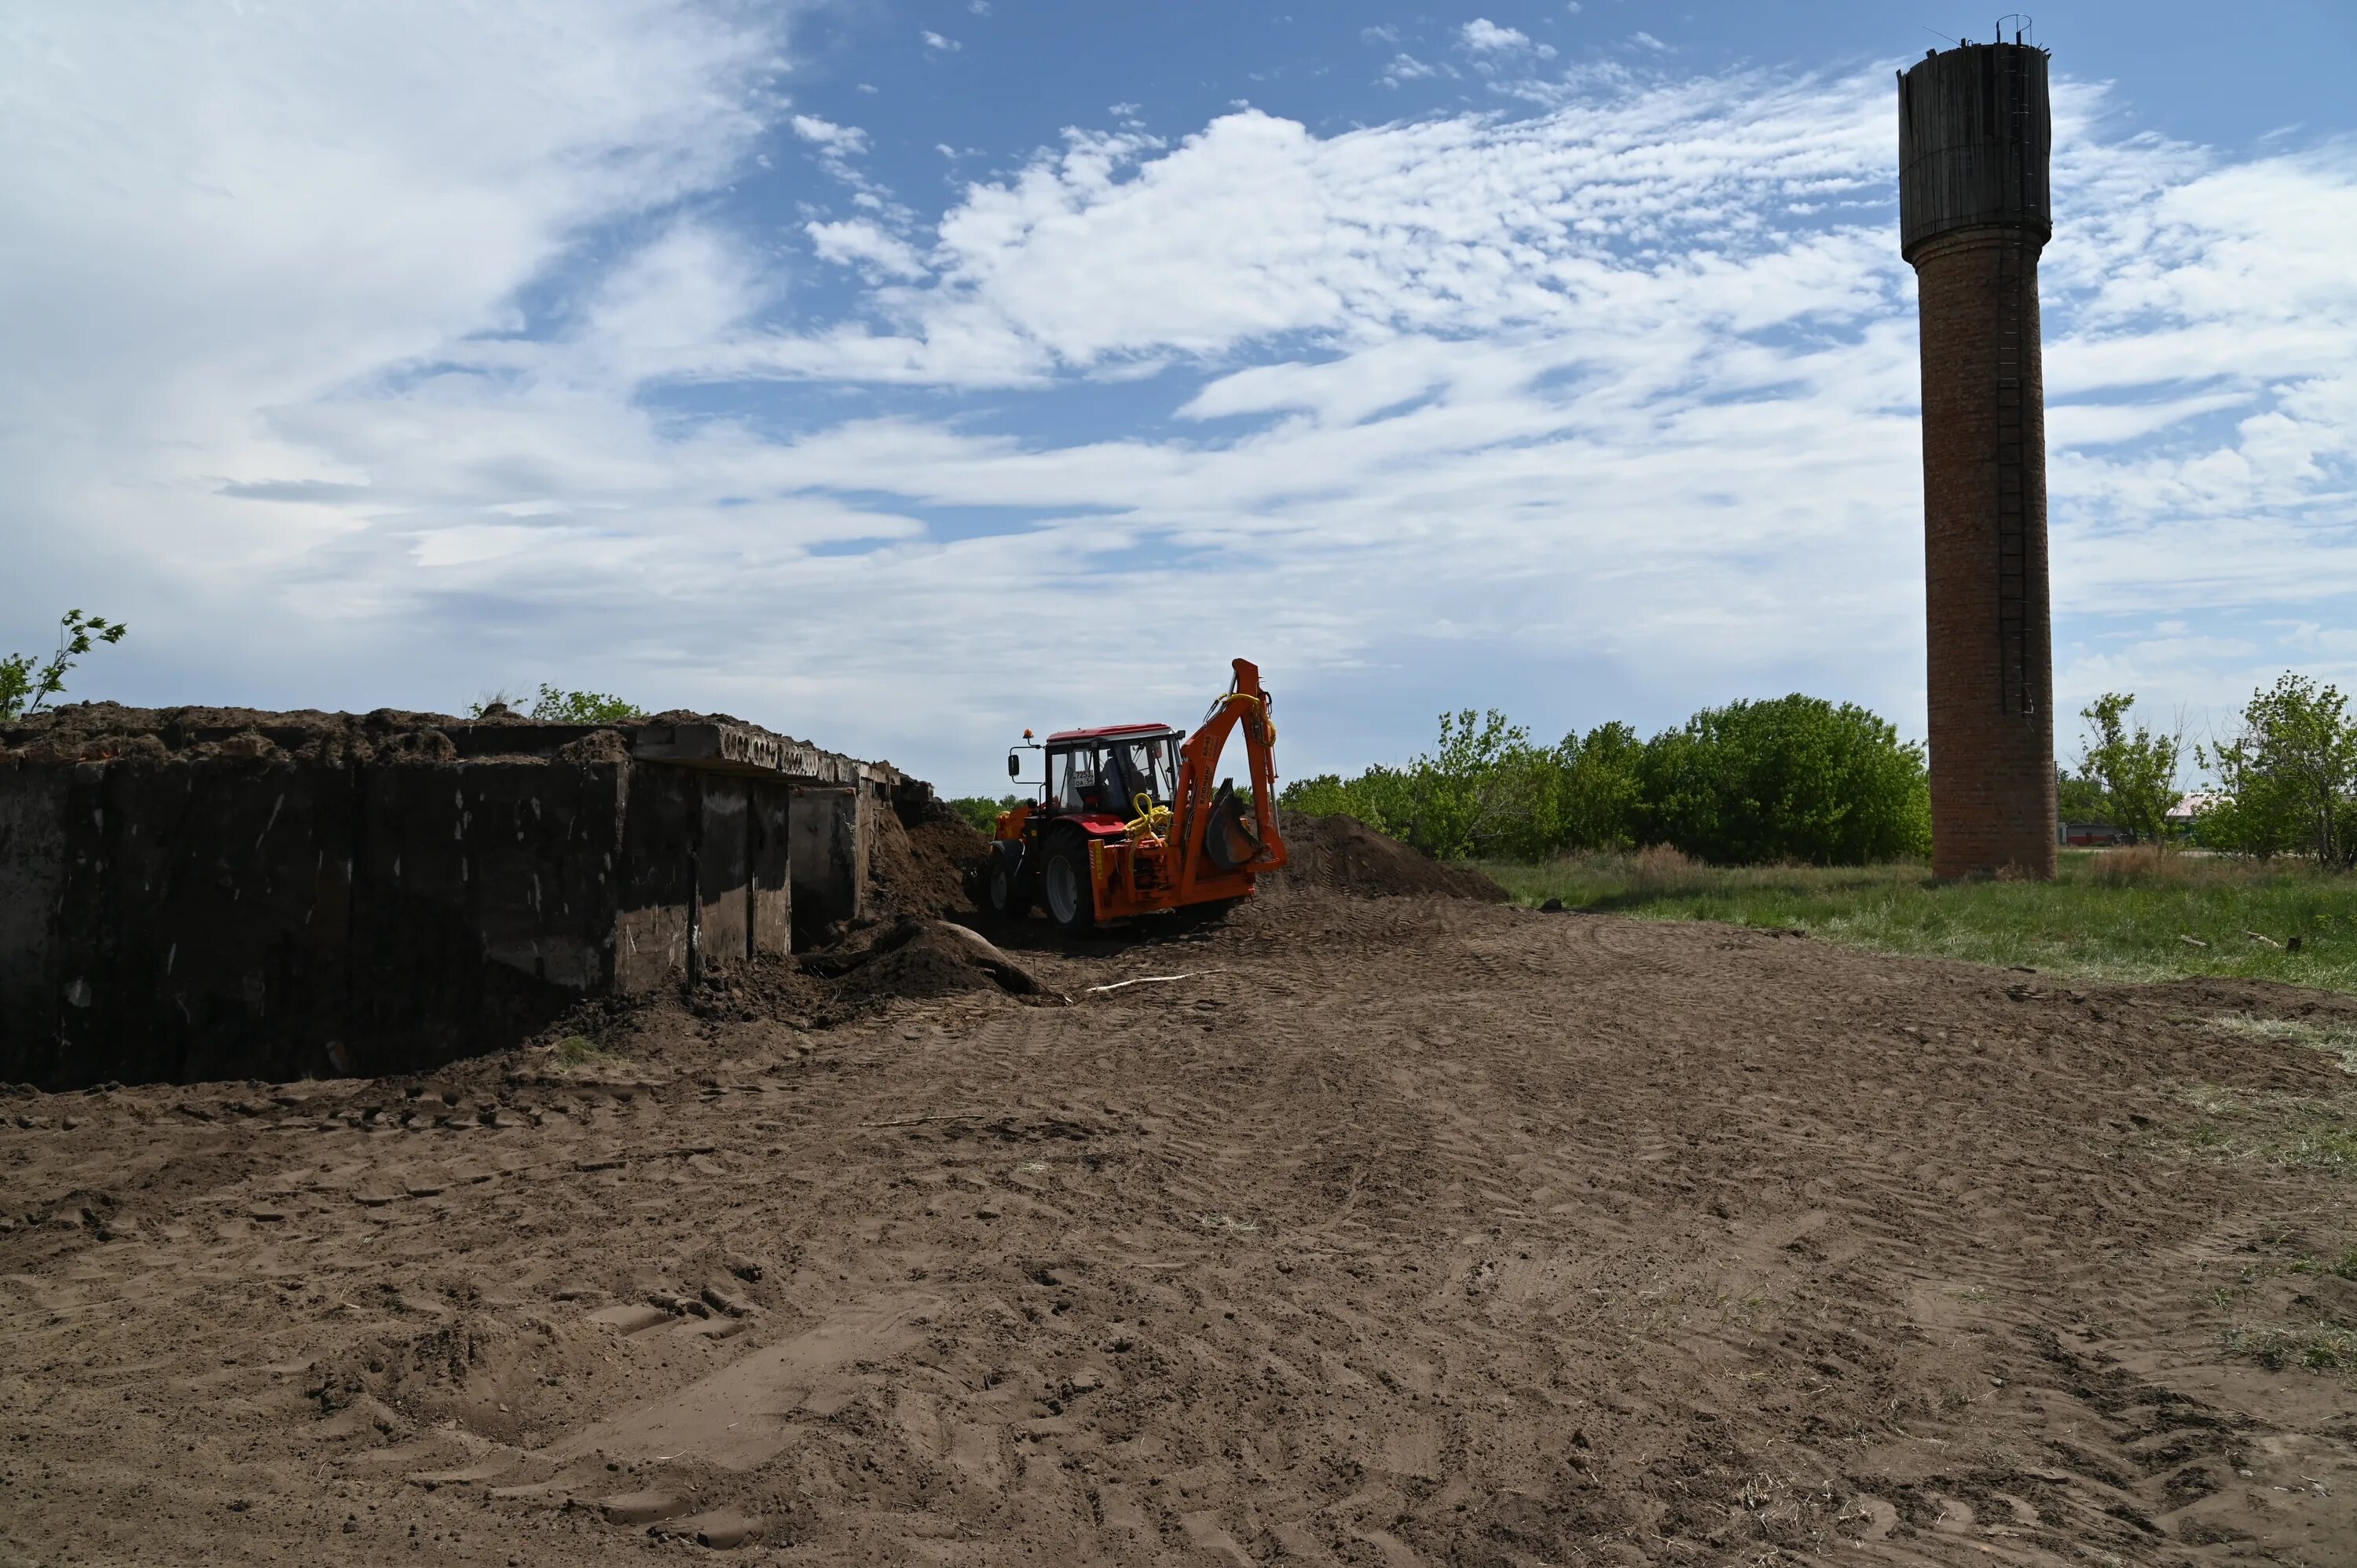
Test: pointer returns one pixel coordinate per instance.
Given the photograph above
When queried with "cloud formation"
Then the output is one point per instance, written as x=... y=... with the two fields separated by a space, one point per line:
x=1604 y=405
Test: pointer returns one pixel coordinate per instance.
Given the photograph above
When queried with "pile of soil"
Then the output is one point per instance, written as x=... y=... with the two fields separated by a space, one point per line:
x=918 y=863
x=99 y=731
x=919 y=958
x=1342 y=854
x=96 y=732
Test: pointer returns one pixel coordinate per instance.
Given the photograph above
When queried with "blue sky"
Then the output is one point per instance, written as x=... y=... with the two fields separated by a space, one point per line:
x=899 y=376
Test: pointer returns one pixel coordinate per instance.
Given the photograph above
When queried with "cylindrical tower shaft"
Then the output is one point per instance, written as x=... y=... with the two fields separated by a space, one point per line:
x=1975 y=142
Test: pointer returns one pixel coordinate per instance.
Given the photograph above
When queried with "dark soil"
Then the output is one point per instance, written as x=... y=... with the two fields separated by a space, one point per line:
x=89 y=732
x=1343 y=855
x=1391 y=1230
x=919 y=958
x=917 y=866
x=93 y=732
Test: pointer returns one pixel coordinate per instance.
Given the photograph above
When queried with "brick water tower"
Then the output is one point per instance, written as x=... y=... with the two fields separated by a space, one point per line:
x=1974 y=139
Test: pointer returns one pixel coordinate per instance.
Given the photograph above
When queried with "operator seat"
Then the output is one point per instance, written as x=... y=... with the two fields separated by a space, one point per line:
x=1114 y=785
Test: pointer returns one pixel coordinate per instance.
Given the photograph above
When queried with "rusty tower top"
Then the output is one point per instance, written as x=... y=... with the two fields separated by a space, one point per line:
x=1975 y=137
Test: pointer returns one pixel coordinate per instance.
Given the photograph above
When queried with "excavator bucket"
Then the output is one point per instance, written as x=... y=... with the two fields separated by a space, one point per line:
x=1229 y=841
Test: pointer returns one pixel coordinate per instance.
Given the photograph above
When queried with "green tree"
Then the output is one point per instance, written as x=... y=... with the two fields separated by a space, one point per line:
x=27 y=680
x=1476 y=788
x=2078 y=798
x=2136 y=770
x=1792 y=779
x=981 y=812
x=1602 y=801
x=2289 y=776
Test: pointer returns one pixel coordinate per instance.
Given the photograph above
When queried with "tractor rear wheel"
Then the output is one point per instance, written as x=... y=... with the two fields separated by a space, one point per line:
x=1065 y=886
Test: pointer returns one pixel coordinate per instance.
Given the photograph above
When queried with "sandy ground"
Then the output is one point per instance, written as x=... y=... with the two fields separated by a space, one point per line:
x=1398 y=1232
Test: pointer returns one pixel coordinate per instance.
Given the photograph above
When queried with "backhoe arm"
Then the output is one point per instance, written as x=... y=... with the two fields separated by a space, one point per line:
x=1198 y=810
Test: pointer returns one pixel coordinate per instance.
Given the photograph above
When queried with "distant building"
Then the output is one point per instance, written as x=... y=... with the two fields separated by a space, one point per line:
x=2194 y=804
x=2093 y=835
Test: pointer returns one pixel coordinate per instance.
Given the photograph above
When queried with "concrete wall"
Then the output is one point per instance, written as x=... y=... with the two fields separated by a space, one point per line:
x=238 y=917
x=829 y=830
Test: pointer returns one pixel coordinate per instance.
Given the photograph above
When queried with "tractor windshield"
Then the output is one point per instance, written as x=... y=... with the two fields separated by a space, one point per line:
x=1148 y=767
x=1110 y=776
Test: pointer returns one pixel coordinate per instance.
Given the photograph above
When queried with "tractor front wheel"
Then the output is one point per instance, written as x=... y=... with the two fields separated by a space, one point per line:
x=1065 y=886
x=998 y=884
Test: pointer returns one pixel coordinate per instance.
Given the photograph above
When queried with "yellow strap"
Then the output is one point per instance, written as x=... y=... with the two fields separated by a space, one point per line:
x=1150 y=818
x=1269 y=721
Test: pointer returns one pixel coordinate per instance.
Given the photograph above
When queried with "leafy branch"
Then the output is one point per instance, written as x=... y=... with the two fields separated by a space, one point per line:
x=26 y=681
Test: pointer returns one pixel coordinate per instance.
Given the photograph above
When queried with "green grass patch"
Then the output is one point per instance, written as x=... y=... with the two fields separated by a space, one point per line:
x=2110 y=915
x=2344 y=1267
x=580 y=1050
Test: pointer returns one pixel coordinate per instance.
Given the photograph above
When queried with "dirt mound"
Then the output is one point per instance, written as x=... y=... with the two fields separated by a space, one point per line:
x=920 y=958
x=1343 y=855
x=1611 y=1240
x=917 y=866
x=95 y=732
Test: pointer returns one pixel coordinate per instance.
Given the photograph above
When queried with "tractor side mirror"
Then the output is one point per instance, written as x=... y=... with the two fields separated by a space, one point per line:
x=1014 y=765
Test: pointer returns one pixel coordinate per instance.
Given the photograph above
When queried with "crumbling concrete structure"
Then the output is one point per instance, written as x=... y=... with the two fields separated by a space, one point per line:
x=200 y=893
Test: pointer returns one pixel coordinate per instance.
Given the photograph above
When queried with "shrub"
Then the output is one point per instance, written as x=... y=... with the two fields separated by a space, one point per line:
x=1791 y=778
x=581 y=707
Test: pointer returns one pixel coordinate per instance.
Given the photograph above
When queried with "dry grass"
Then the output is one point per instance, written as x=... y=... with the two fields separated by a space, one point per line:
x=2339 y=1042
x=2318 y=1347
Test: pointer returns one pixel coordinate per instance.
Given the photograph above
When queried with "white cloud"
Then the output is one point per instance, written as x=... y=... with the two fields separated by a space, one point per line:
x=830 y=135
x=1574 y=411
x=1481 y=34
x=863 y=242
x=1385 y=34
x=935 y=41
x=1488 y=43
x=1647 y=40
x=837 y=146
x=1407 y=68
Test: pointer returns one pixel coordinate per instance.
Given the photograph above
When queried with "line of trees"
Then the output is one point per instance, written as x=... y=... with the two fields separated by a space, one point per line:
x=2286 y=776
x=1793 y=778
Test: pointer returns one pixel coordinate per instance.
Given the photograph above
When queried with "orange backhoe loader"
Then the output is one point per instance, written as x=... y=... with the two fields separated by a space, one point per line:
x=1127 y=822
